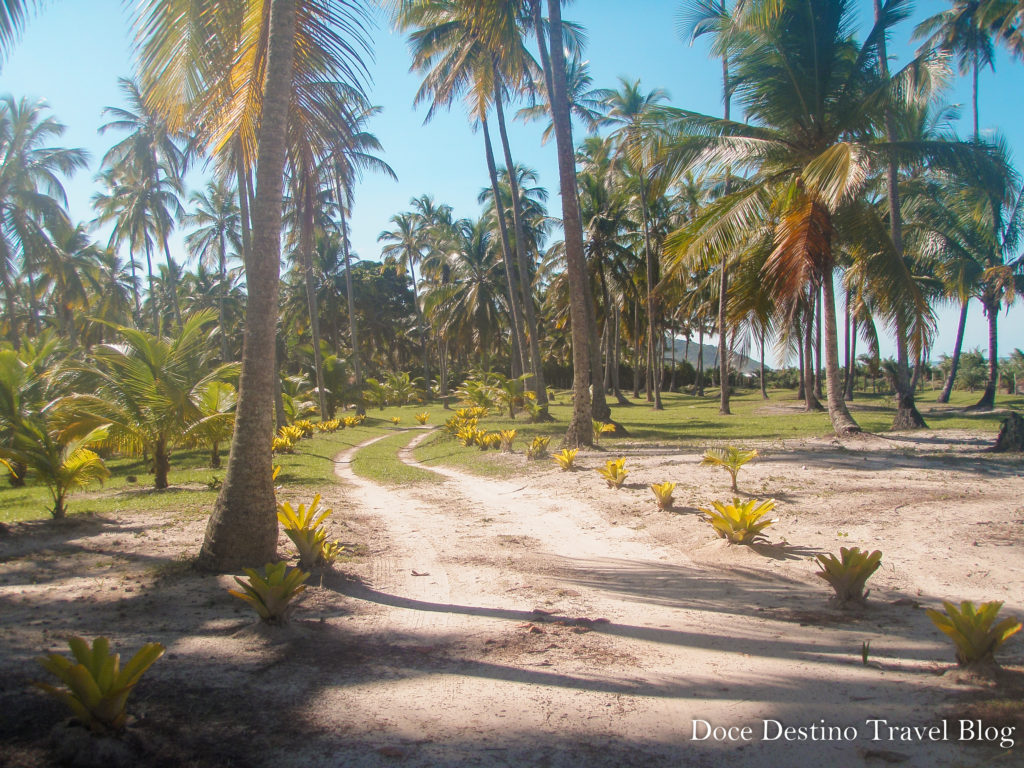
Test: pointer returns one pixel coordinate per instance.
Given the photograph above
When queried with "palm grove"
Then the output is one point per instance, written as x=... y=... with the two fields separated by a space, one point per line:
x=840 y=206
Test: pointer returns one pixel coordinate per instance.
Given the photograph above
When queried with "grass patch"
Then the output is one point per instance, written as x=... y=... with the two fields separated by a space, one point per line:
x=380 y=463
x=688 y=421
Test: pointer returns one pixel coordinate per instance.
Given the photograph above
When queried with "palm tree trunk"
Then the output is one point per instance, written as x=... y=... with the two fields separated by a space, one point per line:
x=599 y=409
x=851 y=377
x=636 y=349
x=306 y=255
x=172 y=280
x=988 y=397
x=723 y=354
x=955 y=363
x=907 y=416
x=653 y=366
x=617 y=361
x=223 y=270
x=353 y=326
x=152 y=290
x=764 y=384
x=700 y=361
x=519 y=337
x=580 y=431
x=525 y=283
x=811 y=402
x=842 y=421
x=161 y=463
x=801 y=391
x=817 y=346
x=243 y=527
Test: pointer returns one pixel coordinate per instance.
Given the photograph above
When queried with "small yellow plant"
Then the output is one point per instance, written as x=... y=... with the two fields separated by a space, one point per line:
x=282 y=445
x=422 y=418
x=306 y=426
x=566 y=458
x=849 y=572
x=396 y=420
x=663 y=493
x=96 y=688
x=304 y=528
x=600 y=428
x=538 y=448
x=352 y=421
x=741 y=523
x=291 y=432
x=329 y=426
x=974 y=631
x=272 y=591
x=729 y=458
x=469 y=436
x=507 y=437
x=489 y=440
x=329 y=551
x=614 y=472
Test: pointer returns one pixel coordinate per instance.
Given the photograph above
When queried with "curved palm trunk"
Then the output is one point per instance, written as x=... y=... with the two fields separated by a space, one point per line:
x=955 y=363
x=243 y=527
x=988 y=397
x=580 y=431
x=842 y=421
x=519 y=337
x=525 y=284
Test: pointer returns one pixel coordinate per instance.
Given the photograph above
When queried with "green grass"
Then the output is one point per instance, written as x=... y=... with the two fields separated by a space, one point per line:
x=379 y=462
x=188 y=495
x=690 y=421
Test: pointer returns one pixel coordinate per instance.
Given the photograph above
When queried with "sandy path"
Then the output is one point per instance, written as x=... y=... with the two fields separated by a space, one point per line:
x=636 y=640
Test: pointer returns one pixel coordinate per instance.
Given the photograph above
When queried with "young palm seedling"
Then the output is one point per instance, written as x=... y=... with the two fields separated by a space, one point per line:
x=566 y=458
x=304 y=527
x=974 y=631
x=600 y=428
x=849 y=572
x=272 y=591
x=729 y=458
x=96 y=687
x=663 y=493
x=740 y=523
x=614 y=472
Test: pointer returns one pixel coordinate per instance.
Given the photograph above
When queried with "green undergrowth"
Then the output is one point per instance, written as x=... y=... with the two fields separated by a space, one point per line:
x=379 y=462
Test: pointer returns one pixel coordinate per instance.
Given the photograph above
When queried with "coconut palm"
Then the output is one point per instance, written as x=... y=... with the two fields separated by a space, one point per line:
x=13 y=15
x=195 y=72
x=217 y=223
x=216 y=402
x=31 y=194
x=808 y=157
x=405 y=243
x=144 y=392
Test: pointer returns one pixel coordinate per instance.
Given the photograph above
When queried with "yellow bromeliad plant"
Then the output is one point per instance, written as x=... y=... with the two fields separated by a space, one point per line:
x=566 y=458
x=538 y=447
x=974 y=631
x=663 y=493
x=304 y=526
x=849 y=572
x=740 y=523
x=507 y=437
x=272 y=591
x=422 y=418
x=614 y=472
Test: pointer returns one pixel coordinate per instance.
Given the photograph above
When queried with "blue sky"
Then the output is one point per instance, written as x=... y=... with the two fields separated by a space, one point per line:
x=74 y=51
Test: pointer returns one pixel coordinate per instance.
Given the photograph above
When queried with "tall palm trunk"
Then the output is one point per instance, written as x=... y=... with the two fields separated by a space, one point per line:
x=353 y=326
x=811 y=402
x=653 y=366
x=525 y=283
x=955 y=362
x=988 y=397
x=599 y=409
x=842 y=421
x=519 y=346
x=851 y=376
x=723 y=283
x=580 y=431
x=700 y=361
x=243 y=527
x=817 y=346
x=306 y=255
x=907 y=416
x=152 y=290
x=172 y=284
x=764 y=384
x=222 y=268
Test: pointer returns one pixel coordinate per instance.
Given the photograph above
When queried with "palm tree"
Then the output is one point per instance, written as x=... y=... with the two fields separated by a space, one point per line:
x=143 y=392
x=810 y=157
x=628 y=108
x=216 y=403
x=31 y=194
x=286 y=52
x=150 y=157
x=13 y=14
x=217 y=223
x=404 y=243
x=580 y=431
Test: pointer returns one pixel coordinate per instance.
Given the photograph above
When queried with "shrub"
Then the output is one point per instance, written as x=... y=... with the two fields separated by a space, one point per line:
x=305 y=426
x=507 y=436
x=292 y=432
x=729 y=458
x=469 y=435
x=489 y=440
x=538 y=448
x=741 y=523
x=974 y=631
x=566 y=458
x=271 y=592
x=96 y=688
x=329 y=426
x=663 y=493
x=282 y=445
x=849 y=572
x=614 y=472
x=422 y=418
x=304 y=527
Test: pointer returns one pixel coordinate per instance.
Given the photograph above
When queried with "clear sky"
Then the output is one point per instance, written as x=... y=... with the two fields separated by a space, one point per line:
x=74 y=51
